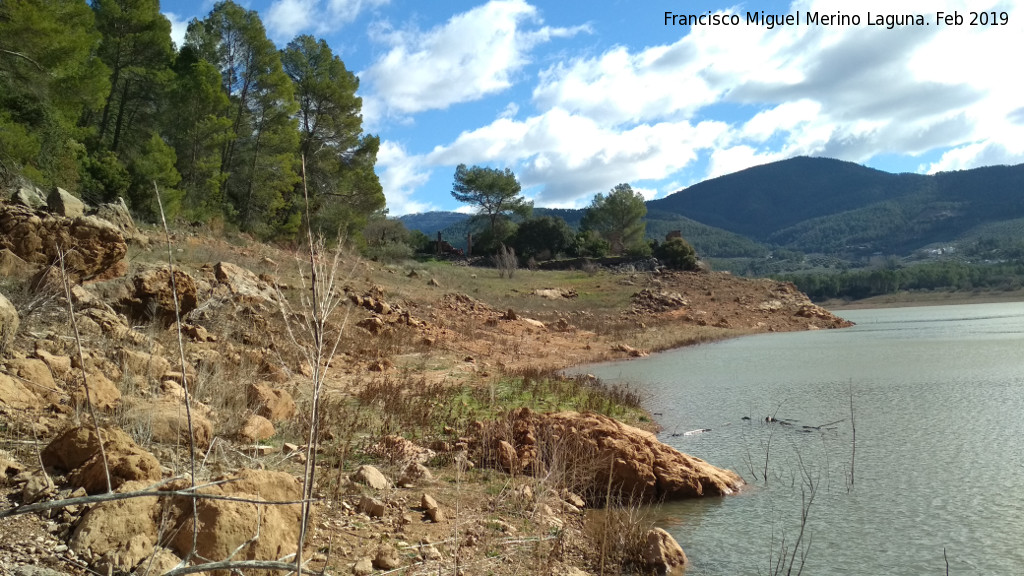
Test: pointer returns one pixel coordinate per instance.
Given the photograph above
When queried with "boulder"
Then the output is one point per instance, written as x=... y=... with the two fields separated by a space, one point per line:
x=589 y=446
x=91 y=245
x=372 y=507
x=77 y=451
x=370 y=476
x=29 y=196
x=257 y=428
x=243 y=283
x=117 y=214
x=141 y=364
x=228 y=527
x=662 y=553
x=12 y=266
x=103 y=393
x=387 y=558
x=62 y=203
x=168 y=422
x=16 y=396
x=432 y=509
x=415 y=473
x=34 y=374
x=120 y=534
x=8 y=324
x=273 y=404
x=153 y=298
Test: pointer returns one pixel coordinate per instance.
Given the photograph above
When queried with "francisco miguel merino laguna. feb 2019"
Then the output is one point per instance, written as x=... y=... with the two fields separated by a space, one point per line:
x=890 y=21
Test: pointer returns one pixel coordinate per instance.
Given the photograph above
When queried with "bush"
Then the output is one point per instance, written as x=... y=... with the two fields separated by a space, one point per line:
x=677 y=254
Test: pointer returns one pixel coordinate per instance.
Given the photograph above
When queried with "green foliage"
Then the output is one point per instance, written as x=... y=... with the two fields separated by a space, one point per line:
x=259 y=159
x=542 y=238
x=342 y=184
x=48 y=78
x=590 y=244
x=155 y=164
x=386 y=239
x=618 y=218
x=103 y=178
x=677 y=254
x=494 y=192
x=136 y=46
x=491 y=239
x=198 y=108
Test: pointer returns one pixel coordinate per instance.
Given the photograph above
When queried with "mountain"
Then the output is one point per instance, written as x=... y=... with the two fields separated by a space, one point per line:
x=823 y=206
x=831 y=206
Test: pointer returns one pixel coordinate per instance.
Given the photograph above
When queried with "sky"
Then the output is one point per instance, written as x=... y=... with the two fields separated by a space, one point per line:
x=578 y=96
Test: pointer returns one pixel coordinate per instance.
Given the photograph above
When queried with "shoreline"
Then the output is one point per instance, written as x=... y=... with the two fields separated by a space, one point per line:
x=904 y=299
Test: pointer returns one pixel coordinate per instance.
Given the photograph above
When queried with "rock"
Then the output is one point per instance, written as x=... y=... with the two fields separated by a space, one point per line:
x=370 y=476
x=16 y=396
x=117 y=214
x=533 y=323
x=372 y=507
x=37 y=571
x=163 y=560
x=507 y=458
x=120 y=534
x=35 y=375
x=77 y=451
x=632 y=352
x=387 y=558
x=257 y=428
x=430 y=553
x=243 y=283
x=153 y=298
x=273 y=404
x=228 y=527
x=432 y=509
x=9 y=469
x=8 y=324
x=363 y=567
x=62 y=203
x=91 y=245
x=433 y=282
x=12 y=266
x=37 y=486
x=168 y=422
x=29 y=196
x=373 y=325
x=415 y=473
x=662 y=553
x=103 y=393
x=396 y=449
x=641 y=465
x=142 y=364
x=60 y=366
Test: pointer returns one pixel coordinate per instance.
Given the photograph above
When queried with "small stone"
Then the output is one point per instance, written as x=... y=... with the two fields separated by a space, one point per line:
x=387 y=558
x=372 y=507
x=363 y=567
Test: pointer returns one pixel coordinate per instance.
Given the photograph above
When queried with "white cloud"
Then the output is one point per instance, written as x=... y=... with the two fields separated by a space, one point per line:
x=286 y=19
x=400 y=175
x=178 y=28
x=472 y=55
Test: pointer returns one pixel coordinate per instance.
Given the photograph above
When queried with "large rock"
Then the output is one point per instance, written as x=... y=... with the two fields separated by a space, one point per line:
x=256 y=428
x=662 y=553
x=224 y=526
x=118 y=535
x=62 y=203
x=273 y=404
x=16 y=396
x=103 y=394
x=77 y=451
x=243 y=283
x=153 y=298
x=117 y=214
x=370 y=476
x=587 y=446
x=29 y=196
x=92 y=246
x=168 y=423
x=8 y=324
x=141 y=365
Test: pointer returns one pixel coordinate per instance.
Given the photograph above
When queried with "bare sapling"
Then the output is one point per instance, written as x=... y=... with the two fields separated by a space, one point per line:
x=310 y=331
x=184 y=375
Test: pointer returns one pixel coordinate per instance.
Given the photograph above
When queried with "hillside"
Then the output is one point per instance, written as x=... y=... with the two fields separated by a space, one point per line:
x=824 y=206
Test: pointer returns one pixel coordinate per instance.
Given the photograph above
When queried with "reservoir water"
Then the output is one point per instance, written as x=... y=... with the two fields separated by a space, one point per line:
x=938 y=408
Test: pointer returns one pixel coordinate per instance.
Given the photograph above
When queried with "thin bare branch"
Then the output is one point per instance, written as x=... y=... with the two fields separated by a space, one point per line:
x=81 y=364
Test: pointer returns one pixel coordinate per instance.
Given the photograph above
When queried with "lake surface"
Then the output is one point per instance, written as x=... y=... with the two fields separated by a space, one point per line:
x=938 y=404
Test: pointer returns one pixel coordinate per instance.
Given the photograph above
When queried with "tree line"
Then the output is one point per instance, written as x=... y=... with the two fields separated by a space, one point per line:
x=948 y=275
x=96 y=99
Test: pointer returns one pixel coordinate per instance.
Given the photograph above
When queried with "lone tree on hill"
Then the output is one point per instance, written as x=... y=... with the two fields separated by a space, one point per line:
x=618 y=218
x=495 y=192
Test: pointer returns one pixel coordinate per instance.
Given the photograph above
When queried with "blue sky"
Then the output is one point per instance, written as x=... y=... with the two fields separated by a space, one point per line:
x=577 y=96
